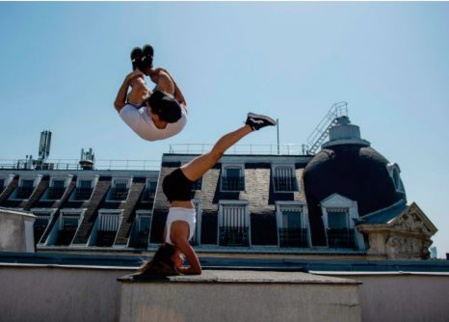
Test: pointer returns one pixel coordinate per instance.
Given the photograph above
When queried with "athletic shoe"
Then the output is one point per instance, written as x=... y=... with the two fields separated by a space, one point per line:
x=257 y=121
x=136 y=57
x=147 y=56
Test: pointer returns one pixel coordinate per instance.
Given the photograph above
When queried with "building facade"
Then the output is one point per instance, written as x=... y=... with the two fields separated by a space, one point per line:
x=347 y=200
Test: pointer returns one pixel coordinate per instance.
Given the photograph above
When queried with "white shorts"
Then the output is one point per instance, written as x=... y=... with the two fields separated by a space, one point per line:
x=182 y=214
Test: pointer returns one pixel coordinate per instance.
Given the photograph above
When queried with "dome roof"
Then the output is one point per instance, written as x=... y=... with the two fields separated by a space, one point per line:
x=356 y=172
x=347 y=166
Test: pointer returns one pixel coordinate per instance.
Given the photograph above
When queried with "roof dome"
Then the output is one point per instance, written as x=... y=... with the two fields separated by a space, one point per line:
x=348 y=166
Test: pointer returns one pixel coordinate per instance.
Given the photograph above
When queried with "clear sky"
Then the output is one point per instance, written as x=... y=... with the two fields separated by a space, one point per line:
x=62 y=63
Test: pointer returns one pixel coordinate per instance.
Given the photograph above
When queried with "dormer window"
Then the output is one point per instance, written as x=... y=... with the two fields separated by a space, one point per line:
x=57 y=188
x=232 y=178
x=234 y=223
x=284 y=179
x=150 y=190
x=339 y=214
x=43 y=219
x=141 y=229
x=340 y=234
x=4 y=182
x=84 y=188
x=66 y=227
x=395 y=174
x=106 y=228
x=26 y=188
x=119 y=190
x=292 y=225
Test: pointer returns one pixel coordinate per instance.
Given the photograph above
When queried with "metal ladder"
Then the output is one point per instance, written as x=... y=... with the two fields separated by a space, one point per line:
x=321 y=132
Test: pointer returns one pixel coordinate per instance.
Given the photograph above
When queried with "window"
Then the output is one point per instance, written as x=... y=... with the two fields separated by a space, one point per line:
x=43 y=219
x=56 y=189
x=106 y=228
x=84 y=188
x=284 y=179
x=4 y=181
x=232 y=179
x=25 y=189
x=119 y=190
x=339 y=231
x=150 y=191
x=141 y=230
x=68 y=226
x=292 y=226
x=65 y=228
x=395 y=174
x=339 y=214
x=233 y=224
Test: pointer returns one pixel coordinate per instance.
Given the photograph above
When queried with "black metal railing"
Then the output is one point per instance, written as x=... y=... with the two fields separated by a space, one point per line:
x=293 y=237
x=234 y=236
x=232 y=183
x=285 y=184
x=340 y=238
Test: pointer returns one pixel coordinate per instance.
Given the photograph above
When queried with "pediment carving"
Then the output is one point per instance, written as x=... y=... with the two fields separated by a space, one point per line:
x=411 y=221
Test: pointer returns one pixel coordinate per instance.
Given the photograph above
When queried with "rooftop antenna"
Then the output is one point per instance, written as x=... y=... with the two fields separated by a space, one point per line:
x=44 y=145
x=87 y=159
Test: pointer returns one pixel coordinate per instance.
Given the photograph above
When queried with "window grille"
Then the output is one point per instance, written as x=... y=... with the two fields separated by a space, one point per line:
x=339 y=232
x=107 y=229
x=284 y=179
x=232 y=179
x=234 y=226
x=292 y=232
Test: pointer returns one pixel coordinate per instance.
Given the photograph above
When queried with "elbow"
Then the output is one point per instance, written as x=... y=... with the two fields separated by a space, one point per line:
x=118 y=106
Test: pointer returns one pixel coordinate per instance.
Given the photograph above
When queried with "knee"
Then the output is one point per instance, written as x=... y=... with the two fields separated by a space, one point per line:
x=216 y=154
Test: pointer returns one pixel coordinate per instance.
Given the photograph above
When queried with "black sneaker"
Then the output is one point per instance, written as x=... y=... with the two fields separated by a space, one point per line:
x=147 y=56
x=257 y=121
x=136 y=57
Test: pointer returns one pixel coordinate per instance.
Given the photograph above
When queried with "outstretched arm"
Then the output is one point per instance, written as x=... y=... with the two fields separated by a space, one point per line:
x=120 y=100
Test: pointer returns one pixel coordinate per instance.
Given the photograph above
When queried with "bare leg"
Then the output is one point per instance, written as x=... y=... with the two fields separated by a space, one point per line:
x=196 y=168
x=139 y=91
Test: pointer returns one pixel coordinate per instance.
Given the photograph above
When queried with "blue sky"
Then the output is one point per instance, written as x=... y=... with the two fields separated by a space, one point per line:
x=62 y=63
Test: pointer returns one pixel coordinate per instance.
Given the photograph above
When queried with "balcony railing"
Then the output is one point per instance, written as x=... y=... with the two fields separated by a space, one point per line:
x=232 y=183
x=292 y=237
x=234 y=236
x=340 y=238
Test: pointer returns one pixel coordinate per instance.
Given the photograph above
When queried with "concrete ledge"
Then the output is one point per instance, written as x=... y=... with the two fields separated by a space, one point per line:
x=219 y=295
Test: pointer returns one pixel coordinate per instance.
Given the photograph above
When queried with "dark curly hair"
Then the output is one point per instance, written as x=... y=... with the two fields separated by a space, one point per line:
x=162 y=263
x=165 y=106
